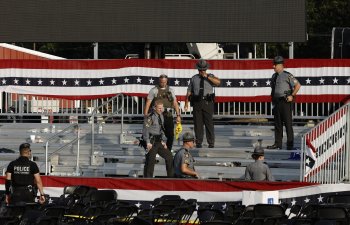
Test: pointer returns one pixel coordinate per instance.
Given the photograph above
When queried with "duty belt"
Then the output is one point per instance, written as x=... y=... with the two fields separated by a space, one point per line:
x=29 y=188
x=156 y=138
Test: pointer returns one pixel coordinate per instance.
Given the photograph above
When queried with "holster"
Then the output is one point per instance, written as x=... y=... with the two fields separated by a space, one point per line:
x=142 y=143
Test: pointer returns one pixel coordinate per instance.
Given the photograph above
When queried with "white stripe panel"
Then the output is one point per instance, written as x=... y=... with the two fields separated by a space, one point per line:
x=140 y=195
x=213 y=196
x=181 y=73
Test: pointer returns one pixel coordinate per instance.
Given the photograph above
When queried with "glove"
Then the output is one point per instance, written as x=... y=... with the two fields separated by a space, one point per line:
x=178 y=130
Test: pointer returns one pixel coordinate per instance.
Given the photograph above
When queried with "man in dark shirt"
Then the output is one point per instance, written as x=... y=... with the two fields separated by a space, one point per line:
x=22 y=178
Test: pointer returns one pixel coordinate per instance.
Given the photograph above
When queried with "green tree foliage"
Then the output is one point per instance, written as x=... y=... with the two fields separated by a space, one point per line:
x=322 y=16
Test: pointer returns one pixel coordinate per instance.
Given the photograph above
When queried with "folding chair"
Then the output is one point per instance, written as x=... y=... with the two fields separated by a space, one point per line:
x=268 y=214
x=333 y=213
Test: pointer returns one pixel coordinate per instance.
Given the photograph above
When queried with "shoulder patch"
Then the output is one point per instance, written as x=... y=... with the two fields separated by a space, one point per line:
x=148 y=121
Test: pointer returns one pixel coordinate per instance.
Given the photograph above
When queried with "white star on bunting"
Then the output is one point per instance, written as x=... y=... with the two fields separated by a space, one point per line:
x=320 y=199
x=228 y=83
x=306 y=200
x=321 y=81
x=293 y=202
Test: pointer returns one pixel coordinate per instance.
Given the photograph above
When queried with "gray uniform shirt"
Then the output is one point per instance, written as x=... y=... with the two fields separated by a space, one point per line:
x=151 y=127
x=195 y=83
x=284 y=82
x=183 y=156
x=258 y=171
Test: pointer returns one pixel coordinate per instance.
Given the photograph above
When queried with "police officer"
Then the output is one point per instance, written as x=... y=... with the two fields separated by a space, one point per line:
x=183 y=160
x=284 y=90
x=22 y=178
x=166 y=95
x=258 y=170
x=153 y=135
x=201 y=94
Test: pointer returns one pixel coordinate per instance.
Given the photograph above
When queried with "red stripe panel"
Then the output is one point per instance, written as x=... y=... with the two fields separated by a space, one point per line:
x=167 y=184
x=168 y=64
x=260 y=98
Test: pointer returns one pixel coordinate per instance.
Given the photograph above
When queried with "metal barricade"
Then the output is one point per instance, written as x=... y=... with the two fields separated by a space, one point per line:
x=325 y=149
x=18 y=108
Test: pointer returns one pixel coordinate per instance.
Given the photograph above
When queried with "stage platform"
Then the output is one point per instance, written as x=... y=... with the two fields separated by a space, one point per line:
x=141 y=190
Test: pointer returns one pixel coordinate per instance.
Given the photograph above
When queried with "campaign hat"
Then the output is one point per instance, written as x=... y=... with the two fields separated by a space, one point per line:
x=202 y=65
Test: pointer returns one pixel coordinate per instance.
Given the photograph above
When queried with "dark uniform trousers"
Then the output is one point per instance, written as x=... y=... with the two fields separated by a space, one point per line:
x=22 y=194
x=169 y=129
x=158 y=148
x=203 y=111
x=283 y=115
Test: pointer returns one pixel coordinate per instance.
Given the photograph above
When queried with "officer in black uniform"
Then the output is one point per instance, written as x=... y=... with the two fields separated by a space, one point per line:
x=22 y=179
x=153 y=135
x=183 y=160
x=284 y=89
x=200 y=92
x=162 y=92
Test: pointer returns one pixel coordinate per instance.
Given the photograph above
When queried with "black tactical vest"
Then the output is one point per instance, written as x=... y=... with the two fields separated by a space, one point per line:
x=165 y=96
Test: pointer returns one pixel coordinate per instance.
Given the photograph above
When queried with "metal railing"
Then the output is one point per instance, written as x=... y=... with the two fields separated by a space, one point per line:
x=17 y=108
x=59 y=136
x=325 y=149
x=113 y=112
